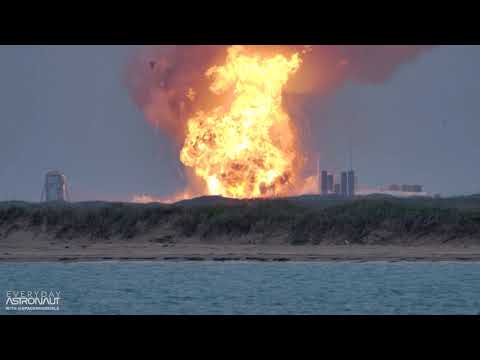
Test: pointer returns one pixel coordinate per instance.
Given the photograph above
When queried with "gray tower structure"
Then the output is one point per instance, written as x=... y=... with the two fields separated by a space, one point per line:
x=351 y=183
x=330 y=183
x=55 y=187
x=344 y=183
x=324 y=182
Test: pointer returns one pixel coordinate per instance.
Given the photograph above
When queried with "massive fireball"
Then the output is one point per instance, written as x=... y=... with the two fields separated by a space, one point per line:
x=245 y=147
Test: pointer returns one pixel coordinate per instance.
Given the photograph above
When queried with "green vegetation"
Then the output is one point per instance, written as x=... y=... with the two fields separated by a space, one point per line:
x=374 y=219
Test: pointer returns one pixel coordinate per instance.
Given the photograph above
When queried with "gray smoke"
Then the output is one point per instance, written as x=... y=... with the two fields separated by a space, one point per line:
x=158 y=77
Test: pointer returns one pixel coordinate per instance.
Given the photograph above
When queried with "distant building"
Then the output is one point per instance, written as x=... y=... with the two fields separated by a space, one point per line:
x=324 y=182
x=412 y=188
x=336 y=189
x=344 y=183
x=417 y=188
x=405 y=188
x=351 y=183
x=55 y=187
x=330 y=183
x=394 y=187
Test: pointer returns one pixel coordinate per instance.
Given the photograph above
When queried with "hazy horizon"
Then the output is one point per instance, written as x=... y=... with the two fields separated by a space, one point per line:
x=68 y=108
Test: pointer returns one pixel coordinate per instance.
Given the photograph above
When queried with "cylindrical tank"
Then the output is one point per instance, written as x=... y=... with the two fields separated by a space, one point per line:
x=343 y=183
x=351 y=183
x=55 y=186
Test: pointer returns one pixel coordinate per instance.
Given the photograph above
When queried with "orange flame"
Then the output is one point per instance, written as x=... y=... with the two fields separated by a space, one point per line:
x=147 y=199
x=247 y=146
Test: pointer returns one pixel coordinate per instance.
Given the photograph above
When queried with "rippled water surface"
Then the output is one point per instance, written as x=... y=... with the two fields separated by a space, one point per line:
x=250 y=288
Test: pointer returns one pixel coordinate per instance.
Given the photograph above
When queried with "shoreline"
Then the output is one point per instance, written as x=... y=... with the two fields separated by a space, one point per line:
x=249 y=253
x=311 y=228
x=239 y=260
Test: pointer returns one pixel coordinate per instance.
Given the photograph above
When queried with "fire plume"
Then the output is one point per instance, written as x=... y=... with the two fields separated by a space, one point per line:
x=247 y=146
x=221 y=106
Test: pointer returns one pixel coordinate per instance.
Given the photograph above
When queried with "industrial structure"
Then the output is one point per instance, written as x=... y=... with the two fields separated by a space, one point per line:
x=344 y=183
x=345 y=187
x=406 y=188
x=323 y=186
x=351 y=183
x=336 y=189
x=330 y=183
x=55 y=187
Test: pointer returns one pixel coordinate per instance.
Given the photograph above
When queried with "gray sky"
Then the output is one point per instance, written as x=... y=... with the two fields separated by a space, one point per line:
x=66 y=108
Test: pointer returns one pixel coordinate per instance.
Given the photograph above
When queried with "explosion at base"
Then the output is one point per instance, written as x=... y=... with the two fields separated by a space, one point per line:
x=223 y=107
x=246 y=147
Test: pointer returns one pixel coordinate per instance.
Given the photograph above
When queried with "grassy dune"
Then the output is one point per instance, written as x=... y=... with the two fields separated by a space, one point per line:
x=300 y=220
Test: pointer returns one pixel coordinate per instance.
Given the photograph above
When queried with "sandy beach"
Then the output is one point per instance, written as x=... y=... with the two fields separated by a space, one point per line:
x=24 y=247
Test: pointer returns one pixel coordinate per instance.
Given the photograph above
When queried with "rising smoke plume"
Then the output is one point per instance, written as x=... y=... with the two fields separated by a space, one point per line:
x=168 y=82
x=158 y=77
